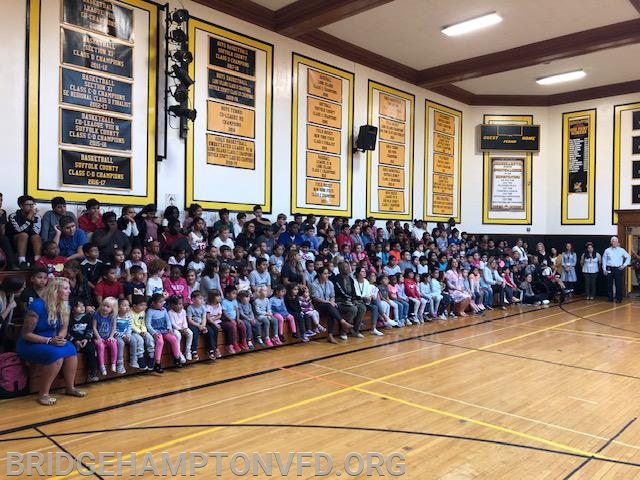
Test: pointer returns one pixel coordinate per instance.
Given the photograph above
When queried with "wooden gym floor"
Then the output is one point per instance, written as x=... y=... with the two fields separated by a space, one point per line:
x=526 y=393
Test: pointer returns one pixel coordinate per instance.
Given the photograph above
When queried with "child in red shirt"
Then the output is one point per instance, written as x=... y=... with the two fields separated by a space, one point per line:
x=411 y=291
x=175 y=284
x=108 y=286
x=51 y=259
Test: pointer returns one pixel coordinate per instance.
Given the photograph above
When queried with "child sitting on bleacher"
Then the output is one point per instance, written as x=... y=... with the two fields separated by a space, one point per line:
x=81 y=334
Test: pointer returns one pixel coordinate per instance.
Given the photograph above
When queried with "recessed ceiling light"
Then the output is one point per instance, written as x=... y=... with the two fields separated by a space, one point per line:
x=561 y=77
x=472 y=24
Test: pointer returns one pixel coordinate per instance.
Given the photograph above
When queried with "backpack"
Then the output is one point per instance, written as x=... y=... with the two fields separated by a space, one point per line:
x=13 y=376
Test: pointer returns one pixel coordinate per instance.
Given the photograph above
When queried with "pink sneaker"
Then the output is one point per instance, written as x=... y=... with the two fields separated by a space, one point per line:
x=244 y=346
x=230 y=350
x=276 y=341
x=268 y=343
x=237 y=348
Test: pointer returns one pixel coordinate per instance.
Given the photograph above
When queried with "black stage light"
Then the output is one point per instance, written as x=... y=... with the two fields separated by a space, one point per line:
x=182 y=56
x=182 y=75
x=181 y=94
x=178 y=36
x=179 y=16
x=183 y=112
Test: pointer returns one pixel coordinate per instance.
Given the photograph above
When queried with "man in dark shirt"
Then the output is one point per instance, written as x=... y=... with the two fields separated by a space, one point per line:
x=260 y=222
x=349 y=303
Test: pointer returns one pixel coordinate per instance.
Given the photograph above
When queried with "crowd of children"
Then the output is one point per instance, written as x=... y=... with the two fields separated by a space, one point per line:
x=142 y=280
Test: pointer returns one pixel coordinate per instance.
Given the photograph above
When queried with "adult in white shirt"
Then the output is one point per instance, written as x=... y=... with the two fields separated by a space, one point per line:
x=614 y=260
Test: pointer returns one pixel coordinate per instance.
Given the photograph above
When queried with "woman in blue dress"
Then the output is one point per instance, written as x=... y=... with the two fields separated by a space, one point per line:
x=568 y=273
x=44 y=340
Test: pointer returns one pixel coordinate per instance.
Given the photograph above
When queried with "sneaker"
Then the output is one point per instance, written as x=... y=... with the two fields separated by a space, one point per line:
x=407 y=322
x=343 y=336
x=261 y=342
x=142 y=364
x=178 y=362
x=321 y=329
x=376 y=332
x=267 y=342
x=250 y=345
x=305 y=338
x=243 y=346
x=452 y=315
x=182 y=360
x=103 y=370
x=282 y=339
x=359 y=335
x=545 y=302
x=443 y=316
x=134 y=364
x=157 y=368
x=195 y=357
x=231 y=350
x=188 y=357
x=217 y=353
x=121 y=369
x=212 y=355
x=93 y=377
x=488 y=307
x=310 y=333
x=113 y=367
x=275 y=341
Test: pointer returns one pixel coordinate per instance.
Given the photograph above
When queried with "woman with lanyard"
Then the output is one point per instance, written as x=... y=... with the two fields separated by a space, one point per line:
x=323 y=295
x=590 y=262
x=363 y=290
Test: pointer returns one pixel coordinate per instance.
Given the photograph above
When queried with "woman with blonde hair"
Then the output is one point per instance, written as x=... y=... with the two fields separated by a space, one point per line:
x=44 y=340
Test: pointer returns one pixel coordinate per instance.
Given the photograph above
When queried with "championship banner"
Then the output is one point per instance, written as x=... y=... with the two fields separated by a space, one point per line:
x=321 y=126
x=92 y=76
x=390 y=165
x=578 y=167
x=443 y=163
x=506 y=194
x=626 y=158
x=228 y=148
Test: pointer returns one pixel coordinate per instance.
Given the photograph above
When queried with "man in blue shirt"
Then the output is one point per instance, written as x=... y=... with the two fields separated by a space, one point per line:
x=614 y=260
x=70 y=239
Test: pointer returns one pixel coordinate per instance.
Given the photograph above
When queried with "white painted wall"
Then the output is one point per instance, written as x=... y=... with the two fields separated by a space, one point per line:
x=546 y=164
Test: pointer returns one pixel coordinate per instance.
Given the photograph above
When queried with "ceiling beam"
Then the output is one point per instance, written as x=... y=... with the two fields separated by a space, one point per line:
x=244 y=10
x=304 y=16
x=572 y=45
x=331 y=44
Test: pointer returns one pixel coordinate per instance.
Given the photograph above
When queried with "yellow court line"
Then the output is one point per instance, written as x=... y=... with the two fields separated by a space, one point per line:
x=598 y=334
x=492 y=426
x=307 y=401
x=481 y=407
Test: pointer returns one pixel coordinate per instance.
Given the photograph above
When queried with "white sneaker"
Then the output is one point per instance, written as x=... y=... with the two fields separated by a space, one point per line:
x=376 y=332
x=443 y=316
x=343 y=336
x=121 y=369
x=393 y=323
x=359 y=335
x=407 y=322
x=134 y=364
x=182 y=359
x=188 y=357
x=545 y=302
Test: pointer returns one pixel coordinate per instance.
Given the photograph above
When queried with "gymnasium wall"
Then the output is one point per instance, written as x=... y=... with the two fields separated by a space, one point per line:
x=546 y=164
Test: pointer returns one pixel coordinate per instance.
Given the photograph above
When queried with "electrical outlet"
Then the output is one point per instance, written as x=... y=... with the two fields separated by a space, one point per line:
x=170 y=199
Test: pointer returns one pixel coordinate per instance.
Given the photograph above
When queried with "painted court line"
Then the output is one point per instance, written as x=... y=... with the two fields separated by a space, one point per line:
x=358 y=387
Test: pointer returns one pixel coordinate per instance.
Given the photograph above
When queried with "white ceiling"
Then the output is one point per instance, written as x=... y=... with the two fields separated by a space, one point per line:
x=408 y=32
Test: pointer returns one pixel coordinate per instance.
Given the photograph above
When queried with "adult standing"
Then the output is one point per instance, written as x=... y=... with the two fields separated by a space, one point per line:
x=43 y=340
x=109 y=238
x=590 y=263
x=568 y=272
x=323 y=295
x=614 y=260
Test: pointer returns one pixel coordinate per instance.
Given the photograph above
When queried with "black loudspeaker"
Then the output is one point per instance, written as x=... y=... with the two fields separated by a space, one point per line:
x=367 y=138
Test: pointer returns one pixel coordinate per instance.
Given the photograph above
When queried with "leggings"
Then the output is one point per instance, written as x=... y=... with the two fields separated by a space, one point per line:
x=188 y=343
x=172 y=340
x=113 y=351
x=266 y=322
x=290 y=319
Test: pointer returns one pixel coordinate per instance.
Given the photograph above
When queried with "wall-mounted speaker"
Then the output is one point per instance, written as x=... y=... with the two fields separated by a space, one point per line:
x=366 y=138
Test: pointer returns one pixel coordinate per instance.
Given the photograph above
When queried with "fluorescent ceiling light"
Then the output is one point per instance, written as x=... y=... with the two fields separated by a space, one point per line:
x=561 y=77
x=472 y=24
